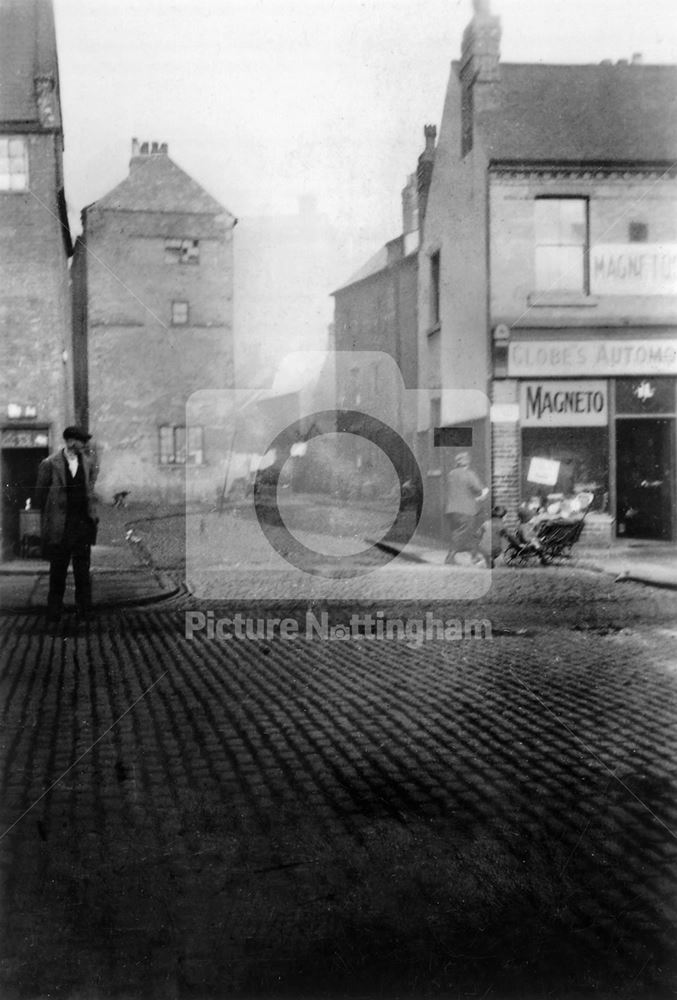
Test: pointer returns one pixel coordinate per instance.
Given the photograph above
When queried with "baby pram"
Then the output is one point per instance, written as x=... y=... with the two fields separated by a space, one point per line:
x=555 y=538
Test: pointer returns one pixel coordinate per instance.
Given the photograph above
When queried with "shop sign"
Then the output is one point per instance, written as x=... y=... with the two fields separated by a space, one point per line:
x=564 y=404
x=592 y=357
x=18 y=437
x=544 y=471
x=633 y=269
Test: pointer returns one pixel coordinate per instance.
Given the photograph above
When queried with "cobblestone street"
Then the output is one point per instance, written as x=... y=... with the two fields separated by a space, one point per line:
x=481 y=817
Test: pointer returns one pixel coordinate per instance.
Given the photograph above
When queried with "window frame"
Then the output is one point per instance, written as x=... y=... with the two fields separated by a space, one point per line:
x=180 y=446
x=182 y=250
x=180 y=322
x=435 y=286
x=23 y=172
x=547 y=287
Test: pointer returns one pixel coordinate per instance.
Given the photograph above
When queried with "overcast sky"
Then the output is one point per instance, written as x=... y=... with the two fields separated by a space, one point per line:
x=264 y=100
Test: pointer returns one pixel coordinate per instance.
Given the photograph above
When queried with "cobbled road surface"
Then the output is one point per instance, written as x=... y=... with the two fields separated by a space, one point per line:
x=476 y=817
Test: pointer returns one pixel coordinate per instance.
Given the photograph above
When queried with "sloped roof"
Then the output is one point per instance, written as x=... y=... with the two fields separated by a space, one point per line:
x=375 y=264
x=156 y=184
x=27 y=50
x=594 y=113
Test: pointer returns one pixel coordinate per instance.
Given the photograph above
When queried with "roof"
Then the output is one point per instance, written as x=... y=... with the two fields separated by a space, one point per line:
x=27 y=50
x=156 y=184
x=594 y=113
x=377 y=263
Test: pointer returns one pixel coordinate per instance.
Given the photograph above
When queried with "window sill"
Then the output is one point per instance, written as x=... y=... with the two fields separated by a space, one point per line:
x=562 y=299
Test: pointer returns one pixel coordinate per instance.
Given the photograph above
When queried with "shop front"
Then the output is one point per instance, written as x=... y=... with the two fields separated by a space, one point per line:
x=613 y=437
x=565 y=441
x=22 y=448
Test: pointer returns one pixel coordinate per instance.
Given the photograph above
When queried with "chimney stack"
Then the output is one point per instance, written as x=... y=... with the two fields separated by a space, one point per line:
x=480 y=73
x=141 y=152
x=424 y=171
x=637 y=59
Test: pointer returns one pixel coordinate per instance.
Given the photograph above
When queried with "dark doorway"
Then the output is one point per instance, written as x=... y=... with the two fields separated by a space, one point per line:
x=645 y=471
x=19 y=472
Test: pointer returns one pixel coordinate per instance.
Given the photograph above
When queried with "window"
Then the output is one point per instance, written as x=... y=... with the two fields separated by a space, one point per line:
x=638 y=232
x=435 y=288
x=561 y=244
x=13 y=164
x=181 y=446
x=178 y=251
x=179 y=313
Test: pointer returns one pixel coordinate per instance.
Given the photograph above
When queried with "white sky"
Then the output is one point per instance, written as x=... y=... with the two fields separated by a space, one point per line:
x=264 y=100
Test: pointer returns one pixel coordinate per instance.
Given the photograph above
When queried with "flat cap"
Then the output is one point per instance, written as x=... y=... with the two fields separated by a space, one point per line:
x=76 y=434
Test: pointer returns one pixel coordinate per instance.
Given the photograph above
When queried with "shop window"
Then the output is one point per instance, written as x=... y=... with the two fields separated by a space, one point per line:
x=435 y=288
x=179 y=313
x=561 y=232
x=582 y=454
x=638 y=232
x=13 y=164
x=180 y=251
x=645 y=394
x=181 y=446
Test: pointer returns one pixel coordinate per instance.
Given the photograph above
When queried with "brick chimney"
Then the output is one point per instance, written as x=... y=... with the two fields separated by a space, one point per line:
x=145 y=150
x=480 y=72
x=410 y=205
x=424 y=171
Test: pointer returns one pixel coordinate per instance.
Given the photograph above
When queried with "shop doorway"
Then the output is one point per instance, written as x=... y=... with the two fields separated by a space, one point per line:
x=645 y=451
x=19 y=473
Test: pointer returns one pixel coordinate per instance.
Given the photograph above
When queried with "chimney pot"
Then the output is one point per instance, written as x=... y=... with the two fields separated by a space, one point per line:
x=144 y=149
x=637 y=59
x=135 y=147
x=622 y=62
x=154 y=148
x=164 y=148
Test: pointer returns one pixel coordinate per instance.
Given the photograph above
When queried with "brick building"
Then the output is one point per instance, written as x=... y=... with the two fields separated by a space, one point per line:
x=36 y=388
x=153 y=306
x=376 y=312
x=548 y=277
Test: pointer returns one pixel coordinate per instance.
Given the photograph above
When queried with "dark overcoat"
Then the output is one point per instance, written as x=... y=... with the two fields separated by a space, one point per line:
x=50 y=496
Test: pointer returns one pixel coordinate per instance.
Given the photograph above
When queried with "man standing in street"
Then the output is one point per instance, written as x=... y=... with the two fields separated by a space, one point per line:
x=464 y=493
x=64 y=494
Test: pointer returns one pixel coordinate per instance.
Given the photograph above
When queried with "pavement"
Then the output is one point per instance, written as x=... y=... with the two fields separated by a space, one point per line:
x=652 y=563
x=123 y=573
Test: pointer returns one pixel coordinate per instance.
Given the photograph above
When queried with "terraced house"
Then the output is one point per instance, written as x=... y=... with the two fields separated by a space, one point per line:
x=548 y=279
x=36 y=385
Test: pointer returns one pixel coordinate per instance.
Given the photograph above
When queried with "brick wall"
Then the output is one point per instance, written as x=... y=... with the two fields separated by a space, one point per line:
x=141 y=368
x=34 y=294
x=505 y=450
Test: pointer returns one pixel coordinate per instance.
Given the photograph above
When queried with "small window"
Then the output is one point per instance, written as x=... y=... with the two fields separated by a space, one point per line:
x=13 y=164
x=638 y=232
x=179 y=313
x=561 y=230
x=181 y=446
x=435 y=288
x=181 y=251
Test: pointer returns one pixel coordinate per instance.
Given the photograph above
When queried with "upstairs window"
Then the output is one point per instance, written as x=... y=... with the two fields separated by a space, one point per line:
x=179 y=251
x=179 y=313
x=435 y=288
x=13 y=164
x=561 y=228
x=181 y=445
